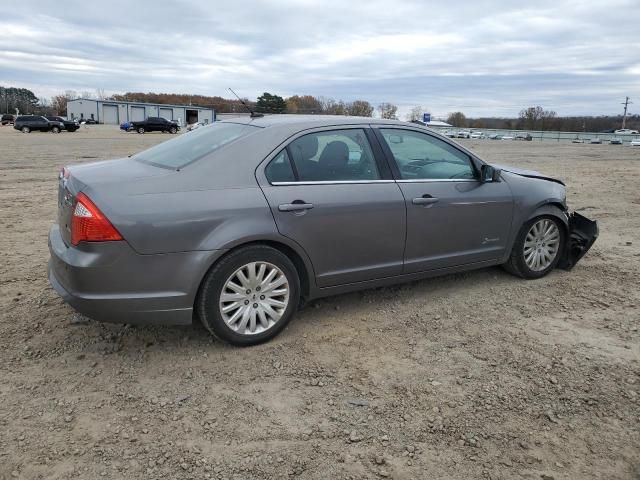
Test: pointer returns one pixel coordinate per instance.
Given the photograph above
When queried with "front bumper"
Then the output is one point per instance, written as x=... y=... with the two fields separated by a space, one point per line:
x=110 y=282
x=583 y=233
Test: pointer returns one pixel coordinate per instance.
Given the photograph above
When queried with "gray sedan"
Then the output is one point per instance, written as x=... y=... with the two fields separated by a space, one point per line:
x=240 y=222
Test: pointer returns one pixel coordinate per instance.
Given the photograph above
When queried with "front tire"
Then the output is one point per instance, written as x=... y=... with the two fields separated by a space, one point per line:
x=538 y=248
x=249 y=296
x=25 y=130
x=140 y=130
x=173 y=130
x=55 y=130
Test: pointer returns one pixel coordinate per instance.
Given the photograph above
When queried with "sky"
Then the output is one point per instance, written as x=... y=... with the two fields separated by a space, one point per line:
x=484 y=58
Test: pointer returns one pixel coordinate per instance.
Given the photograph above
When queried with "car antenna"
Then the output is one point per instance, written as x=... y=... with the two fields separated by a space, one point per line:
x=253 y=114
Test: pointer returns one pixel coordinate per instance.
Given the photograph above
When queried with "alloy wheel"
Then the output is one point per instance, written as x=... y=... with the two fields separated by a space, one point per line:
x=541 y=245
x=254 y=298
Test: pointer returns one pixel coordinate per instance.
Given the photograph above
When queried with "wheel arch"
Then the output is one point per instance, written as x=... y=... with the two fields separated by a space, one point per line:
x=555 y=209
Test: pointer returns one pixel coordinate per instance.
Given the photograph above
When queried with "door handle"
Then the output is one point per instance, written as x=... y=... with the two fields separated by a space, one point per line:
x=295 y=206
x=425 y=200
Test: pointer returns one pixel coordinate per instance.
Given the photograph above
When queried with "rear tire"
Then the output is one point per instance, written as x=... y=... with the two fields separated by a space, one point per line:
x=225 y=318
x=140 y=130
x=55 y=130
x=25 y=130
x=528 y=247
x=173 y=130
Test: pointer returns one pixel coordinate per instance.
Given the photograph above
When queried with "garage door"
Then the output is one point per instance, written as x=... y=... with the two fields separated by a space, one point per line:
x=137 y=114
x=166 y=113
x=110 y=113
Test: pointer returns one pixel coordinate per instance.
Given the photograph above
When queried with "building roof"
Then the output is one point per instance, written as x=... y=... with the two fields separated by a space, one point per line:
x=125 y=102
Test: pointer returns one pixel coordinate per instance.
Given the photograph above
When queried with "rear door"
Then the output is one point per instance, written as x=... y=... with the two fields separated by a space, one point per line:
x=329 y=192
x=452 y=218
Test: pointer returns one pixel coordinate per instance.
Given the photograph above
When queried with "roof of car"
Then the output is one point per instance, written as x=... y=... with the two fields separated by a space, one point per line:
x=309 y=121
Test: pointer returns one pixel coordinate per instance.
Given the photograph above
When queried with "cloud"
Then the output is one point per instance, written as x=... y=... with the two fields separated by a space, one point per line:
x=484 y=58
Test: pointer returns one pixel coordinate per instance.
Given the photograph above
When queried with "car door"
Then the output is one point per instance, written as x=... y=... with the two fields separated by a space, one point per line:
x=41 y=123
x=329 y=192
x=452 y=217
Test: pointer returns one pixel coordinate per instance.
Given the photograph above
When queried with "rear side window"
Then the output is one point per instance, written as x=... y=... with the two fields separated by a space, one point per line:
x=191 y=146
x=334 y=155
x=279 y=169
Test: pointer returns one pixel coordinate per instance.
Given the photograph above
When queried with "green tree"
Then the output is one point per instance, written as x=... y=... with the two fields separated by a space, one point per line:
x=457 y=119
x=268 y=103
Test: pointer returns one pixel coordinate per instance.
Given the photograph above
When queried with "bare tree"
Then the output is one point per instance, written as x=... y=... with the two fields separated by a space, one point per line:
x=415 y=113
x=360 y=108
x=535 y=117
x=457 y=119
x=100 y=94
x=387 y=110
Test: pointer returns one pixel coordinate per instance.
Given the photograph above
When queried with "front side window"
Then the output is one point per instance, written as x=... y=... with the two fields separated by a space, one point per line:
x=421 y=156
x=194 y=145
x=335 y=155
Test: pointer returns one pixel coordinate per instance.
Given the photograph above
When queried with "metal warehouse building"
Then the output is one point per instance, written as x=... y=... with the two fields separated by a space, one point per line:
x=112 y=112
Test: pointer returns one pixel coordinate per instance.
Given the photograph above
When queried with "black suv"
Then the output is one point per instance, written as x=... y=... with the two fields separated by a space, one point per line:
x=8 y=119
x=155 y=124
x=28 y=123
x=69 y=125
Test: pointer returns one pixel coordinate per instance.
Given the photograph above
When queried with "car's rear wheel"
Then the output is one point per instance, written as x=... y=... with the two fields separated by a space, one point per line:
x=249 y=296
x=55 y=129
x=140 y=129
x=25 y=130
x=173 y=130
x=537 y=248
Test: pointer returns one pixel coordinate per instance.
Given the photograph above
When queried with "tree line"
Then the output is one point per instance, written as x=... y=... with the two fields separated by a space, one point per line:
x=538 y=119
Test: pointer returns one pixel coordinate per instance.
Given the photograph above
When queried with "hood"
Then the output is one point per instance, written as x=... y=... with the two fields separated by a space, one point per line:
x=527 y=173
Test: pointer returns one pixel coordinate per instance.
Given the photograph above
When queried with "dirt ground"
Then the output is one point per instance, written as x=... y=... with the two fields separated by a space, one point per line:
x=475 y=375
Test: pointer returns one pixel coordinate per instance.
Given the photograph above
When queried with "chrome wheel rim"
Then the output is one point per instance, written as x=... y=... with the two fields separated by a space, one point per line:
x=541 y=245
x=254 y=298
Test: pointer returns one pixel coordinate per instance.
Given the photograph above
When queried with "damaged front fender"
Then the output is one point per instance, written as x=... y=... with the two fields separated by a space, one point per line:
x=582 y=235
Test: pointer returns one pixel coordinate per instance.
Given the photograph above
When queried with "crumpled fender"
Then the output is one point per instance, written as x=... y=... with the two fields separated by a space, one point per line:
x=583 y=233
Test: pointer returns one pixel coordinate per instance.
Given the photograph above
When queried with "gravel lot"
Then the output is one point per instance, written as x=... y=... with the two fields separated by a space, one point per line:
x=476 y=375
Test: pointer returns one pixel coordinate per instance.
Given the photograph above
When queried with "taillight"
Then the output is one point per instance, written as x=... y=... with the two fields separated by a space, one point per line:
x=88 y=224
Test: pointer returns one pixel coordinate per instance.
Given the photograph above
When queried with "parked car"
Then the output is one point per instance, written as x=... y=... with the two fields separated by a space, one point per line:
x=626 y=131
x=507 y=137
x=451 y=134
x=635 y=143
x=29 y=123
x=615 y=141
x=243 y=220
x=495 y=136
x=595 y=141
x=68 y=125
x=194 y=126
x=155 y=124
x=88 y=121
x=8 y=119
x=524 y=137
x=478 y=135
x=464 y=134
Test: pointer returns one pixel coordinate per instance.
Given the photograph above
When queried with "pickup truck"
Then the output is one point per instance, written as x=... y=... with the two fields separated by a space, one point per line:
x=155 y=124
x=69 y=125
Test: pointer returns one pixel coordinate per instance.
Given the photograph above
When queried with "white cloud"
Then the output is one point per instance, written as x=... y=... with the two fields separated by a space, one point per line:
x=485 y=58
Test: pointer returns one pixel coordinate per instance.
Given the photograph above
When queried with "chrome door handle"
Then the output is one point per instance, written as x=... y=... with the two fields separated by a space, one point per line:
x=295 y=207
x=425 y=200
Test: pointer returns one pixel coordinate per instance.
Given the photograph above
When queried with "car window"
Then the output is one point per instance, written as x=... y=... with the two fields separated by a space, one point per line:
x=335 y=155
x=187 y=148
x=422 y=156
x=279 y=169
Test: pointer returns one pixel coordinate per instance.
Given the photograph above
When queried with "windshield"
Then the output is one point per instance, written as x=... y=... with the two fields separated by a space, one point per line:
x=189 y=147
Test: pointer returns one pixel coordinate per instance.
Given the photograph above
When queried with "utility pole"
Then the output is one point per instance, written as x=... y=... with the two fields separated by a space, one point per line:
x=624 y=116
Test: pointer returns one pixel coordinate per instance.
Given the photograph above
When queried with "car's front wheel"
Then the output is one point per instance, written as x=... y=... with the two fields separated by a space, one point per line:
x=538 y=248
x=25 y=130
x=140 y=129
x=249 y=296
x=173 y=130
x=55 y=130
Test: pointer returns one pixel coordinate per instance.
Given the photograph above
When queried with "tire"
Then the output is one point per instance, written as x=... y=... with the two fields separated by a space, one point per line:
x=140 y=130
x=55 y=130
x=518 y=264
x=173 y=130
x=209 y=303
x=25 y=130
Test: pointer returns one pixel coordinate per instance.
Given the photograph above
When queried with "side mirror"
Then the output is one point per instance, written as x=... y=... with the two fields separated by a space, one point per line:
x=489 y=174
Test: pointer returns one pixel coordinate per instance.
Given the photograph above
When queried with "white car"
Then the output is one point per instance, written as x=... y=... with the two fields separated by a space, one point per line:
x=464 y=134
x=635 y=143
x=478 y=135
x=507 y=137
x=626 y=131
x=595 y=141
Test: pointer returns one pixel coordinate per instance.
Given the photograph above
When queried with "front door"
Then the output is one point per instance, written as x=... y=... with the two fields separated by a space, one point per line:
x=327 y=193
x=452 y=218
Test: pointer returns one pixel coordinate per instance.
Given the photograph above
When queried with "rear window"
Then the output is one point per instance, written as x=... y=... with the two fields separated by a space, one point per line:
x=191 y=146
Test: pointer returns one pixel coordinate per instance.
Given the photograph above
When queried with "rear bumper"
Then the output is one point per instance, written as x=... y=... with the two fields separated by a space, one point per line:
x=110 y=282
